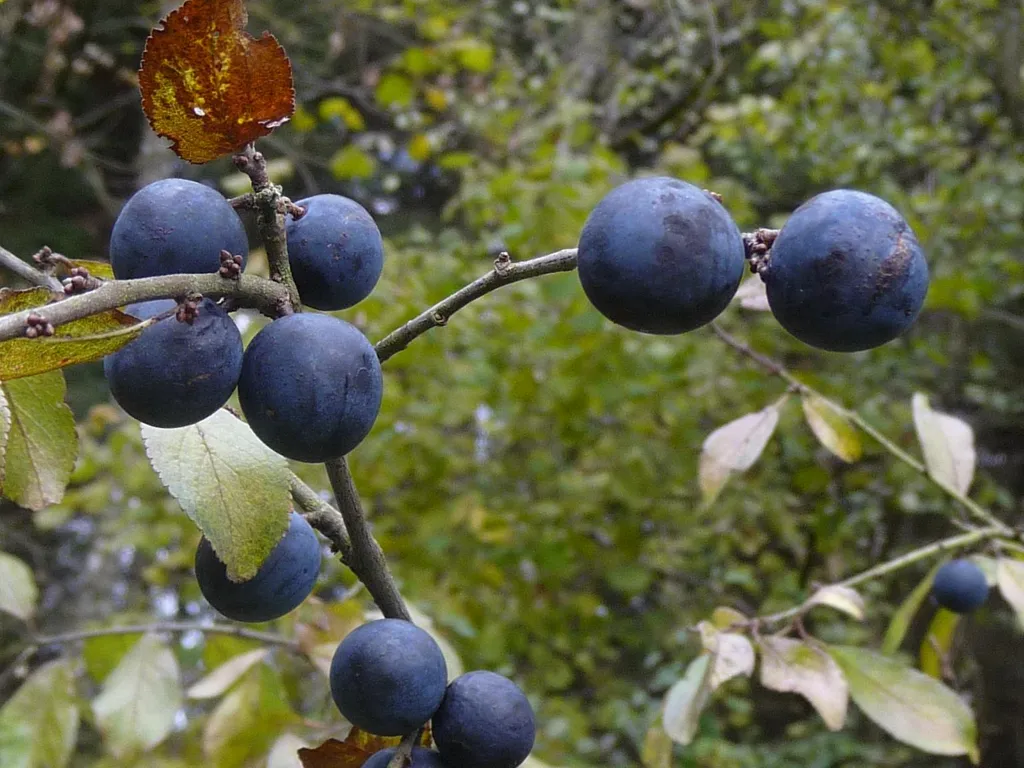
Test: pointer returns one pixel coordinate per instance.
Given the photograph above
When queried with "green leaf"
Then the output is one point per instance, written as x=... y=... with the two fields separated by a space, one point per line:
x=135 y=710
x=947 y=443
x=102 y=654
x=657 y=749
x=351 y=162
x=476 y=56
x=229 y=483
x=227 y=674
x=793 y=666
x=42 y=444
x=832 y=428
x=845 y=599
x=39 y=724
x=12 y=301
x=907 y=704
x=18 y=593
x=247 y=720
x=395 y=90
x=686 y=700
x=102 y=270
x=937 y=642
x=900 y=622
x=734 y=448
x=724 y=617
x=1010 y=578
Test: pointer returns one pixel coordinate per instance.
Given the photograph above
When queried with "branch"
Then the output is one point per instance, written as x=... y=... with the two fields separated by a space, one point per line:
x=266 y=295
x=27 y=272
x=366 y=557
x=323 y=517
x=854 y=417
x=270 y=206
x=167 y=626
x=945 y=545
x=505 y=272
x=403 y=755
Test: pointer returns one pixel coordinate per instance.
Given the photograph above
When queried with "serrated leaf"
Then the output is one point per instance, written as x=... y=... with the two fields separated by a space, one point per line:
x=752 y=295
x=793 y=666
x=900 y=622
x=229 y=483
x=657 y=749
x=209 y=86
x=135 y=710
x=937 y=642
x=907 y=704
x=845 y=599
x=284 y=753
x=227 y=674
x=833 y=429
x=248 y=720
x=39 y=723
x=18 y=592
x=947 y=443
x=686 y=700
x=80 y=341
x=734 y=448
x=724 y=617
x=1010 y=578
x=42 y=443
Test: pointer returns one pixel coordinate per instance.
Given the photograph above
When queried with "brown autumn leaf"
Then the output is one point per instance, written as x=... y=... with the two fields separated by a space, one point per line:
x=355 y=750
x=208 y=85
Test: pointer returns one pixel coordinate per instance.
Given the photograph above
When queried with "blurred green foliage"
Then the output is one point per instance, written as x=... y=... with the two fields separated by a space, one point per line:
x=532 y=476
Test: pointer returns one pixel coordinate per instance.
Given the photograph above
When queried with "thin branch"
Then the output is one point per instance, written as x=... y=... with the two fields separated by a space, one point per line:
x=323 y=517
x=505 y=272
x=27 y=272
x=923 y=553
x=167 y=626
x=270 y=207
x=366 y=559
x=854 y=417
x=248 y=290
x=403 y=755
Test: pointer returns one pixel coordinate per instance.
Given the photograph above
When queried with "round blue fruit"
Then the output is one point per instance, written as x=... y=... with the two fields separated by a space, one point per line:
x=280 y=585
x=335 y=251
x=421 y=758
x=311 y=386
x=484 y=721
x=846 y=272
x=660 y=256
x=175 y=226
x=960 y=586
x=388 y=677
x=175 y=374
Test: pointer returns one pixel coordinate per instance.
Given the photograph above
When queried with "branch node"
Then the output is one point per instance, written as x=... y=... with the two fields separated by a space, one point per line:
x=502 y=262
x=230 y=266
x=36 y=325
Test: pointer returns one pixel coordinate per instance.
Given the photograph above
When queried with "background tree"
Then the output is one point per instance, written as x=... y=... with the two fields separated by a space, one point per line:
x=517 y=451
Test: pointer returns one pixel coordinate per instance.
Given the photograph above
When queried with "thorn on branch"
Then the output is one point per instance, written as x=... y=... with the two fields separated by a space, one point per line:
x=230 y=266
x=36 y=325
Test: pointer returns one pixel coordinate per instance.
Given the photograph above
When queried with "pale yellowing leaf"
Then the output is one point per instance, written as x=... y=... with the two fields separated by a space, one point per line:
x=686 y=700
x=227 y=674
x=657 y=749
x=229 y=483
x=39 y=723
x=793 y=666
x=5 y=431
x=285 y=752
x=989 y=566
x=42 y=443
x=947 y=443
x=135 y=710
x=724 y=617
x=732 y=654
x=832 y=428
x=845 y=599
x=1010 y=577
x=734 y=448
x=907 y=704
x=18 y=592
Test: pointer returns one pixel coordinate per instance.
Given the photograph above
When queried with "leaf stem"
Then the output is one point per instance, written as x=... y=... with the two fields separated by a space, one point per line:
x=505 y=272
x=983 y=515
